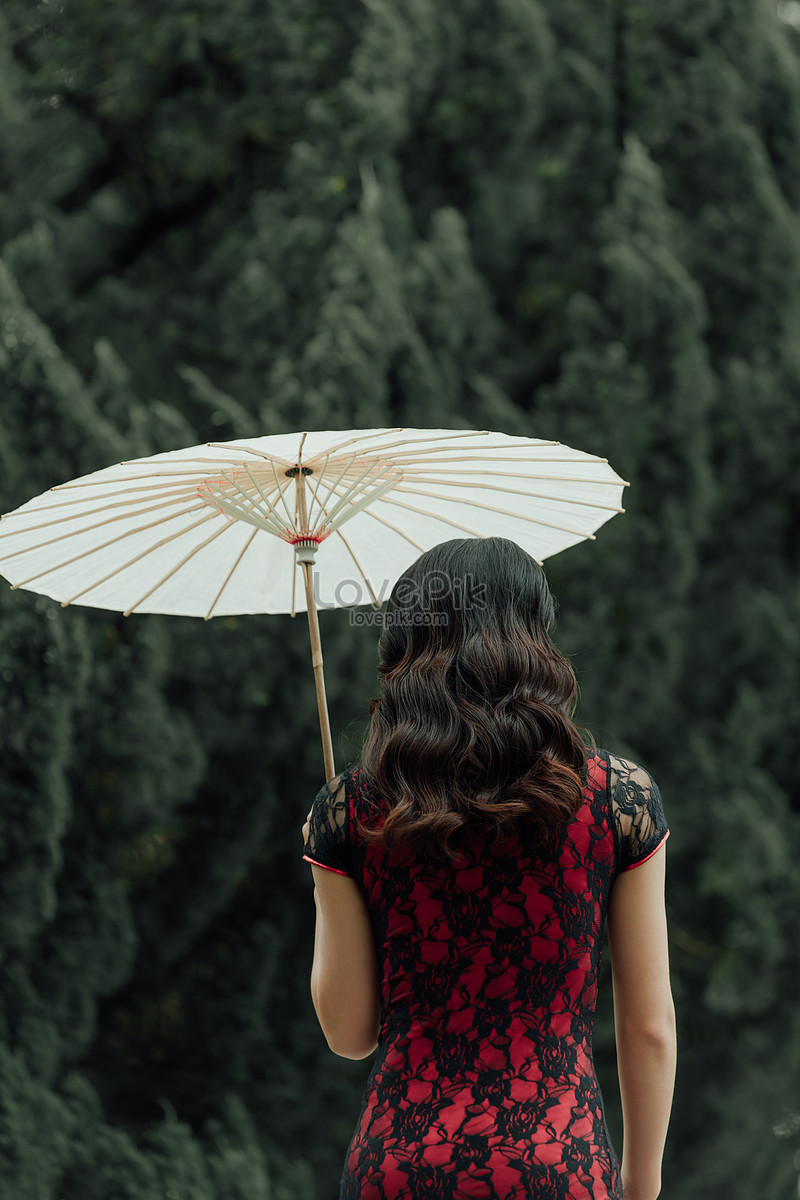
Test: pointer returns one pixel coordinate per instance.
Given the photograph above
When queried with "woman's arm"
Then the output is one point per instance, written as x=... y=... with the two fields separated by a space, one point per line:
x=644 y=1021
x=345 y=987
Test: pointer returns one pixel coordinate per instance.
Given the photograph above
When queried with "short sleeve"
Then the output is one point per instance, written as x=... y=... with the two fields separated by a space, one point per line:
x=327 y=836
x=640 y=824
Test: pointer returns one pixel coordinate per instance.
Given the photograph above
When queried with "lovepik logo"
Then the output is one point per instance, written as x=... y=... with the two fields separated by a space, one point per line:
x=424 y=593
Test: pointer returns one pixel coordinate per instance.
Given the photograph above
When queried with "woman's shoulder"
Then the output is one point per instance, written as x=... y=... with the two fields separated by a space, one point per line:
x=638 y=811
x=355 y=790
x=612 y=769
x=627 y=776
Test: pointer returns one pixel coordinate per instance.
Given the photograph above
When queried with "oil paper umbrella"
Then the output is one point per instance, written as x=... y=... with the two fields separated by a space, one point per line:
x=236 y=527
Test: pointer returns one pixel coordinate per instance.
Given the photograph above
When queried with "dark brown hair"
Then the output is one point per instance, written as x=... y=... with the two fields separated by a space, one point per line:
x=472 y=732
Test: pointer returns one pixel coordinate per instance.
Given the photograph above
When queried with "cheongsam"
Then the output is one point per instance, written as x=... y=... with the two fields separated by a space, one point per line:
x=483 y=1085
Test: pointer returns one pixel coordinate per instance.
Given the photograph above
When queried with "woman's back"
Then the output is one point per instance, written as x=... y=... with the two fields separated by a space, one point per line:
x=483 y=1084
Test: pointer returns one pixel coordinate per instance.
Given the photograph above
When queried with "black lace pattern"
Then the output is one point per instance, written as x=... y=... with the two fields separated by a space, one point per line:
x=483 y=1084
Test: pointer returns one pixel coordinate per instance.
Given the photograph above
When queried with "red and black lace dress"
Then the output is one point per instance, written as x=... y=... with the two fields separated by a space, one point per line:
x=483 y=1085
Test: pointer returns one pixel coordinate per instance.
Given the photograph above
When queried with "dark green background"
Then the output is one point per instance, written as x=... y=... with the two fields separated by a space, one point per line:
x=567 y=218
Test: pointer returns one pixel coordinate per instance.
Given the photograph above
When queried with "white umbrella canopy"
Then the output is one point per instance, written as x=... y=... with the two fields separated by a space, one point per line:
x=225 y=528
x=209 y=530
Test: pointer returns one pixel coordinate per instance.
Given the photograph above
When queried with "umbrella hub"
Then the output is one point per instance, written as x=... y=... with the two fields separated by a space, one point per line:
x=305 y=550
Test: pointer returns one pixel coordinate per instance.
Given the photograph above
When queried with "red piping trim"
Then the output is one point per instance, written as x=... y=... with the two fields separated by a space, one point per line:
x=639 y=861
x=314 y=863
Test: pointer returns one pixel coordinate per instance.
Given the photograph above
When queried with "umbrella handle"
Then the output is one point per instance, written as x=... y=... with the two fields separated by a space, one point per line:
x=319 y=678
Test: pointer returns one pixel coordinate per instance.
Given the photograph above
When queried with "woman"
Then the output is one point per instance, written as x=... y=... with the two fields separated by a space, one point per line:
x=463 y=872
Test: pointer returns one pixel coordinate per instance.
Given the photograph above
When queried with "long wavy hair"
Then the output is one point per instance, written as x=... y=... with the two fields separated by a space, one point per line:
x=472 y=732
